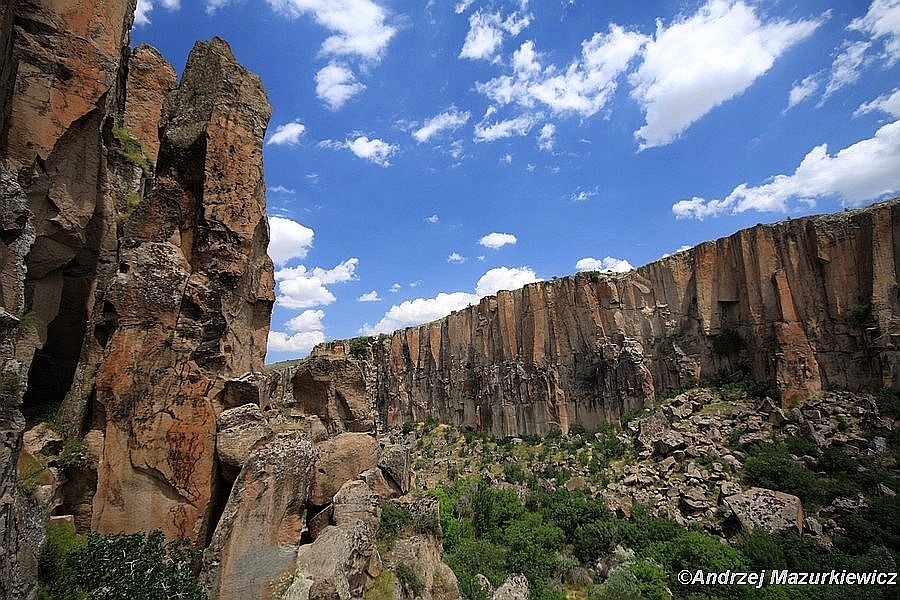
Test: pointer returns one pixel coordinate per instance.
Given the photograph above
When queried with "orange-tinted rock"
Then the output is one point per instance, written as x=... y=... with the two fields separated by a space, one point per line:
x=334 y=389
x=150 y=79
x=192 y=298
x=803 y=305
x=341 y=459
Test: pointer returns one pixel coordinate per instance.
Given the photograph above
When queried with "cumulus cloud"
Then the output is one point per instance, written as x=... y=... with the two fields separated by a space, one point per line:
x=373 y=150
x=462 y=6
x=504 y=278
x=699 y=62
x=487 y=30
x=300 y=287
x=369 y=297
x=445 y=121
x=583 y=87
x=456 y=258
x=307 y=331
x=288 y=239
x=615 y=265
x=423 y=310
x=360 y=27
x=336 y=84
x=432 y=219
x=866 y=170
x=497 y=240
x=886 y=103
x=288 y=134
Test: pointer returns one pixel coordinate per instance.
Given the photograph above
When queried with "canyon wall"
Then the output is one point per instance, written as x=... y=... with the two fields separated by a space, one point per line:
x=802 y=305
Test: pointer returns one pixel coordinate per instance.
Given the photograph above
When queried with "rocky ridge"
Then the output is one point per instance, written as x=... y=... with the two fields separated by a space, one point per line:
x=805 y=305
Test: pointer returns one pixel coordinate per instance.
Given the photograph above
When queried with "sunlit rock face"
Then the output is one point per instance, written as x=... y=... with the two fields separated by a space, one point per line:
x=803 y=305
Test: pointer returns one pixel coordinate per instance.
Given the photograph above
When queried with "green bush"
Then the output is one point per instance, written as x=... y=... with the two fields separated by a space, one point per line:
x=139 y=566
x=74 y=455
x=771 y=466
x=359 y=347
x=393 y=520
x=408 y=579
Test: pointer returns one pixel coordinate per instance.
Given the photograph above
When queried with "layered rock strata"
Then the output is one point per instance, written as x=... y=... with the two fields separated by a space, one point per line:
x=804 y=305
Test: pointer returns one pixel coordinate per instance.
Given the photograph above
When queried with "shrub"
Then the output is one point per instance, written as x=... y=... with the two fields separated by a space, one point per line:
x=409 y=580
x=393 y=520
x=359 y=347
x=55 y=575
x=74 y=455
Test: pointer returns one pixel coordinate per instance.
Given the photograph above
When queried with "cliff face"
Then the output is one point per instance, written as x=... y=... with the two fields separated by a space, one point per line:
x=192 y=301
x=135 y=281
x=804 y=305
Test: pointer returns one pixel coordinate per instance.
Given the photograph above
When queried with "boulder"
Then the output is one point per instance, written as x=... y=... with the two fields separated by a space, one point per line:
x=768 y=509
x=334 y=389
x=241 y=430
x=339 y=460
x=514 y=588
x=258 y=534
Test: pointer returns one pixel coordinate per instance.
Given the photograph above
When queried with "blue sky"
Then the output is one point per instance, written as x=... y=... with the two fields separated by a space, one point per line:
x=424 y=154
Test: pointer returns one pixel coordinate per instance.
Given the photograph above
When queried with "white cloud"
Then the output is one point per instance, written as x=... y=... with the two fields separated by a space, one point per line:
x=848 y=65
x=288 y=239
x=882 y=23
x=497 y=240
x=336 y=84
x=462 y=6
x=488 y=30
x=503 y=129
x=802 y=90
x=699 y=62
x=866 y=170
x=369 y=297
x=423 y=310
x=375 y=150
x=681 y=248
x=616 y=265
x=145 y=7
x=546 y=139
x=360 y=27
x=456 y=258
x=432 y=219
x=445 y=121
x=506 y=159
x=288 y=134
x=886 y=103
x=504 y=278
x=395 y=288
x=299 y=287
x=280 y=189
x=307 y=328
x=580 y=195
x=582 y=88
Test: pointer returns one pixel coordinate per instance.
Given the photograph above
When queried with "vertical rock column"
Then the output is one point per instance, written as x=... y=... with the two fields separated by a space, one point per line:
x=193 y=298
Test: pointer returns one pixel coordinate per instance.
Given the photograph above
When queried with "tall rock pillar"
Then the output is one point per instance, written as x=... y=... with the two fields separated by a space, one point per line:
x=192 y=300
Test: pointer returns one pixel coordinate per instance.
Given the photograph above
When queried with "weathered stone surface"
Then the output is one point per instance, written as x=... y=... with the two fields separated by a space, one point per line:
x=586 y=348
x=341 y=459
x=240 y=431
x=334 y=388
x=150 y=79
x=356 y=501
x=336 y=565
x=771 y=510
x=259 y=532
x=422 y=555
x=514 y=588
x=395 y=463
x=250 y=388
x=192 y=298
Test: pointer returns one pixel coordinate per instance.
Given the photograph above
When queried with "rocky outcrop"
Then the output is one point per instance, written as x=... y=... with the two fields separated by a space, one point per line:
x=192 y=300
x=804 y=305
x=334 y=389
x=770 y=510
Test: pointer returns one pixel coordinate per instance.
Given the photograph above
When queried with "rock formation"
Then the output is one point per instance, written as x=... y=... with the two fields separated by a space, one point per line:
x=135 y=282
x=804 y=305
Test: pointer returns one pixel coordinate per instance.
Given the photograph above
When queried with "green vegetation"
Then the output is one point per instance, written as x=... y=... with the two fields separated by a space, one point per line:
x=359 y=347
x=409 y=580
x=140 y=566
x=728 y=342
x=74 y=455
x=130 y=149
x=556 y=537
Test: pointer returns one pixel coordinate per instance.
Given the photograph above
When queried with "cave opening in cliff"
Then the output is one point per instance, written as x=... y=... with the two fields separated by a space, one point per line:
x=53 y=366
